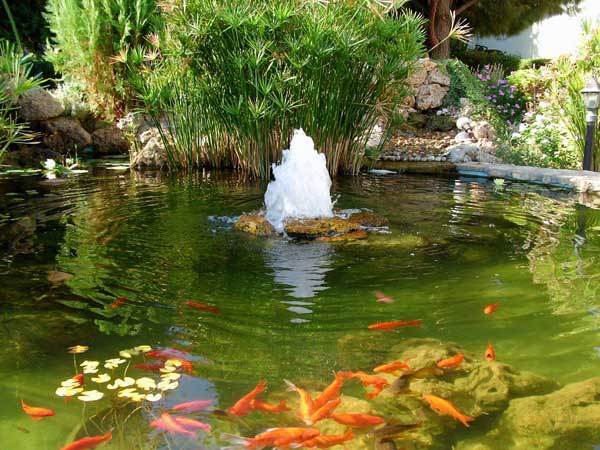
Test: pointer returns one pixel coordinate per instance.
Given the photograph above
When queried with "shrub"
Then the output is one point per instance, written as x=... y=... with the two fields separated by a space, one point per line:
x=480 y=56
x=531 y=83
x=533 y=63
x=248 y=72
x=506 y=98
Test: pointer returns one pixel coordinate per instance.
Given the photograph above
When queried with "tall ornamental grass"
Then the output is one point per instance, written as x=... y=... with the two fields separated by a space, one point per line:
x=237 y=76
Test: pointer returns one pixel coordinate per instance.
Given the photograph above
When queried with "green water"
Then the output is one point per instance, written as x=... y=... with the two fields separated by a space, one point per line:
x=288 y=310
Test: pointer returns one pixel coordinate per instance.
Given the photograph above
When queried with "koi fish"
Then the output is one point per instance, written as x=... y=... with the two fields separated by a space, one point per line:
x=275 y=437
x=367 y=380
x=324 y=411
x=380 y=297
x=191 y=424
x=88 y=442
x=203 y=307
x=168 y=353
x=78 y=378
x=393 y=367
x=388 y=326
x=328 y=441
x=170 y=424
x=36 y=412
x=149 y=367
x=450 y=363
x=193 y=406
x=244 y=404
x=490 y=354
x=259 y=405
x=307 y=405
x=489 y=309
x=445 y=408
x=357 y=420
x=332 y=391
x=118 y=302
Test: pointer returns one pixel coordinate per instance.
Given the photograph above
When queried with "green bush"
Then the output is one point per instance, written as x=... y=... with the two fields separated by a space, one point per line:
x=479 y=57
x=533 y=63
x=239 y=76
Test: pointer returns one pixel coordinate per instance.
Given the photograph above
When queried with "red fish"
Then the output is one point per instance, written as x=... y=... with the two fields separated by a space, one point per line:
x=328 y=441
x=307 y=405
x=388 y=326
x=382 y=298
x=118 y=302
x=332 y=391
x=191 y=424
x=78 y=378
x=489 y=309
x=324 y=411
x=452 y=362
x=244 y=404
x=490 y=354
x=193 y=406
x=203 y=307
x=393 y=367
x=277 y=437
x=150 y=367
x=88 y=442
x=378 y=383
x=36 y=412
x=445 y=408
x=168 y=423
x=259 y=405
x=168 y=353
x=357 y=420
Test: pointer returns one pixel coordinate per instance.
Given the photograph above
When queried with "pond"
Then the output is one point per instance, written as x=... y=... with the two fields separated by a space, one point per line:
x=286 y=310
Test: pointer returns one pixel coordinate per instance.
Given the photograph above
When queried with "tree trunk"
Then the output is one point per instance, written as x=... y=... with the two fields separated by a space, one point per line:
x=440 y=23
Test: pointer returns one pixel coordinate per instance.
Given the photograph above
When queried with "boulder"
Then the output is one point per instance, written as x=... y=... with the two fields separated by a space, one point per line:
x=38 y=104
x=376 y=136
x=416 y=120
x=30 y=156
x=255 y=224
x=418 y=75
x=314 y=228
x=462 y=152
x=110 y=140
x=368 y=219
x=437 y=76
x=153 y=153
x=462 y=136
x=346 y=237
x=430 y=96
x=463 y=123
x=440 y=123
x=64 y=134
x=483 y=130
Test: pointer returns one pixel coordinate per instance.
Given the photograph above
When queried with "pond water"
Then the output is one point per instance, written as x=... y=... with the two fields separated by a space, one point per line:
x=287 y=310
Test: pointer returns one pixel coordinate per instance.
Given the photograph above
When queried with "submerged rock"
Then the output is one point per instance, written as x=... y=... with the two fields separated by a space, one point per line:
x=256 y=224
x=347 y=237
x=368 y=219
x=314 y=228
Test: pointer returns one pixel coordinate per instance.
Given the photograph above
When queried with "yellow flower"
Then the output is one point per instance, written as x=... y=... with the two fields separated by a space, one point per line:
x=166 y=385
x=78 y=349
x=125 y=382
x=102 y=378
x=146 y=383
x=113 y=363
x=153 y=397
x=172 y=376
x=143 y=348
x=90 y=396
x=70 y=383
x=68 y=391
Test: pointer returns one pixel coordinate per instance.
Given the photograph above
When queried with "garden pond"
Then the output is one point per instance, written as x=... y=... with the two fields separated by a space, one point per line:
x=112 y=259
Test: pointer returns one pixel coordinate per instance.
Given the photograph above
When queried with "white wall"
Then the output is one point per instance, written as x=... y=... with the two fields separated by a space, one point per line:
x=549 y=38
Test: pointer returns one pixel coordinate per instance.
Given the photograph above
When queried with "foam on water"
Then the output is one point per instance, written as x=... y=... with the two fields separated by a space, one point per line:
x=301 y=186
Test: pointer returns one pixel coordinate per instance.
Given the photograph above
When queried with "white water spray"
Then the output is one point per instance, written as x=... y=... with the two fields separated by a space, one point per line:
x=301 y=186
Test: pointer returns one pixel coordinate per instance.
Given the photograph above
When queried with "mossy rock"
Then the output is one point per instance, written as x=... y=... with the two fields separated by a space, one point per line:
x=314 y=228
x=255 y=224
x=368 y=219
x=440 y=123
x=347 y=237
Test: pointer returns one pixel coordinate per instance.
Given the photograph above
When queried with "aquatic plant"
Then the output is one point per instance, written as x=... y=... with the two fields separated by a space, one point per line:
x=238 y=77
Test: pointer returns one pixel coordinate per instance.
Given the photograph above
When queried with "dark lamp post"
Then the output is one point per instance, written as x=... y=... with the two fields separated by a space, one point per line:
x=591 y=99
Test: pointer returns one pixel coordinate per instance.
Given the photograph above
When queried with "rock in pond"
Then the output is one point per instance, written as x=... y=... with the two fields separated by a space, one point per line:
x=314 y=228
x=368 y=219
x=346 y=237
x=256 y=224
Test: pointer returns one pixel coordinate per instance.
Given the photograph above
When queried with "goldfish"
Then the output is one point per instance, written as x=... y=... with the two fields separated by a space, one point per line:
x=328 y=441
x=490 y=354
x=36 y=412
x=357 y=420
x=388 y=326
x=168 y=353
x=452 y=362
x=445 y=408
x=170 y=424
x=393 y=367
x=259 y=405
x=193 y=406
x=307 y=405
x=332 y=391
x=489 y=309
x=277 y=437
x=118 y=302
x=244 y=404
x=192 y=424
x=324 y=411
x=382 y=298
x=378 y=383
x=88 y=442
x=203 y=307
x=149 y=367
x=78 y=378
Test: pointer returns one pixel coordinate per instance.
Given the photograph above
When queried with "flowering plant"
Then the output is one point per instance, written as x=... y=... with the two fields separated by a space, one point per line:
x=509 y=102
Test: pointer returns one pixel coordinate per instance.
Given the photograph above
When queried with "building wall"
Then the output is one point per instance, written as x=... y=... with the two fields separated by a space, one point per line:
x=549 y=38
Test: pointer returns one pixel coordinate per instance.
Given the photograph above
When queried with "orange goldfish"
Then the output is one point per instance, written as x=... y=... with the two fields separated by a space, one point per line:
x=36 y=412
x=88 y=442
x=118 y=302
x=388 y=326
x=489 y=309
x=382 y=298
x=332 y=391
x=78 y=378
x=170 y=424
x=324 y=411
x=168 y=353
x=191 y=424
x=357 y=420
x=445 y=408
x=452 y=362
x=307 y=405
x=378 y=383
x=393 y=367
x=259 y=405
x=244 y=404
x=276 y=437
x=150 y=367
x=490 y=354
x=328 y=441
x=203 y=307
x=193 y=406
